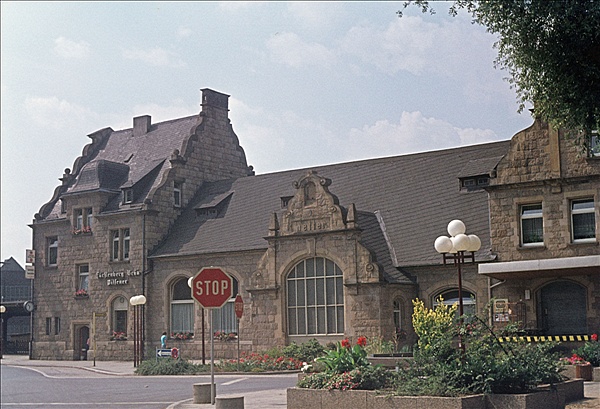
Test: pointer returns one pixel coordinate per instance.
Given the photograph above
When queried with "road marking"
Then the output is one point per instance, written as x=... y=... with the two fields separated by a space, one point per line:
x=234 y=381
x=87 y=404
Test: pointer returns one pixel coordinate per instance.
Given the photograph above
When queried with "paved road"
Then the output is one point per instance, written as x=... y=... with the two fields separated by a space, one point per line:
x=81 y=384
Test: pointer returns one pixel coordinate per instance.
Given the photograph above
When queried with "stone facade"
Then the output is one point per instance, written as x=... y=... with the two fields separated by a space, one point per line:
x=544 y=166
x=63 y=321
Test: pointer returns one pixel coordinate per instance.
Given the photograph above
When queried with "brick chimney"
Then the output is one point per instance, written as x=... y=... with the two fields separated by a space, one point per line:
x=141 y=125
x=214 y=103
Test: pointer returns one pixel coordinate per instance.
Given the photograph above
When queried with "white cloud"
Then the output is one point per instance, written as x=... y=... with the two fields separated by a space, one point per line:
x=71 y=49
x=156 y=56
x=184 y=32
x=316 y=16
x=289 y=49
x=413 y=133
x=57 y=113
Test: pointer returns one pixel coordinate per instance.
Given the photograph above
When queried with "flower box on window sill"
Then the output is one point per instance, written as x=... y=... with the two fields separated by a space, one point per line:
x=81 y=297
x=225 y=336
x=84 y=231
x=118 y=336
x=182 y=336
x=81 y=294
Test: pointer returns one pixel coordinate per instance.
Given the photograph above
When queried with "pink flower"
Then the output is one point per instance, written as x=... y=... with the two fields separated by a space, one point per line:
x=594 y=337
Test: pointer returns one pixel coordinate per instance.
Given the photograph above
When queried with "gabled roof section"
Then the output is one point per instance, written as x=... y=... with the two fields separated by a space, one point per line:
x=416 y=195
x=134 y=157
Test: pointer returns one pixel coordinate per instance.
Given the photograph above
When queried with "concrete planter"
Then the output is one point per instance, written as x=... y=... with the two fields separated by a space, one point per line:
x=546 y=397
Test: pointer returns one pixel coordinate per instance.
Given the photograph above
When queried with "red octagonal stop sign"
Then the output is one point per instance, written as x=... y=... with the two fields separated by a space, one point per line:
x=212 y=287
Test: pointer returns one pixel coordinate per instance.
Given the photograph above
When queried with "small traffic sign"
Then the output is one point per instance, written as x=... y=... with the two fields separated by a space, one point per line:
x=239 y=306
x=212 y=287
x=163 y=353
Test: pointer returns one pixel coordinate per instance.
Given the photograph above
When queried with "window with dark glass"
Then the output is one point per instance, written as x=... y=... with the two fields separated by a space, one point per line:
x=583 y=220
x=56 y=325
x=182 y=307
x=315 y=298
x=177 y=186
x=52 y=250
x=82 y=220
x=450 y=297
x=532 y=225
x=127 y=196
x=83 y=271
x=120 y=244
x=224 y=318
x=48 y=326
x=119 y=315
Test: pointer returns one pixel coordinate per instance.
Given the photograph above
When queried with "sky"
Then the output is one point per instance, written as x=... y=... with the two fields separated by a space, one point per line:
x=310 y=83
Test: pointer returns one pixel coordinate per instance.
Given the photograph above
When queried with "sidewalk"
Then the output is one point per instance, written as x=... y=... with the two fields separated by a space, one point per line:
x=274 y=399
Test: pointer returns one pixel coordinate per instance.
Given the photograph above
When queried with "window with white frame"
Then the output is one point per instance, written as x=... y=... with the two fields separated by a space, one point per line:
x=532 y=225
x=177 y=187
x=594 y=144
x=182 y=307
x=315 y=298
x=82 y=220
x=120 y=244
x=127 y=196
x=224 y=318
x=52 y=246
x=83 y=271
x=583 y=221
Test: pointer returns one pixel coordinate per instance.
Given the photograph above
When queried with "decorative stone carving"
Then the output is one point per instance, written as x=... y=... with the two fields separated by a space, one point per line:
x=313 y=208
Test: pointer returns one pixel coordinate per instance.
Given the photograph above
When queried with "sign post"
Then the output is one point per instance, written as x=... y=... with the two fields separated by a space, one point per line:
x=239 y=311
x=211 y=288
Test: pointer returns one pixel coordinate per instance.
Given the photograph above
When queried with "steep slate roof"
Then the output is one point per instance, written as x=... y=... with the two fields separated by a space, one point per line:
x=125 y=160
x=415 y=196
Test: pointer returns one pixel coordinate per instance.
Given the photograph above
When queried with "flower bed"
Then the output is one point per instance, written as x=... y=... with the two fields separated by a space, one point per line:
x=545 y=397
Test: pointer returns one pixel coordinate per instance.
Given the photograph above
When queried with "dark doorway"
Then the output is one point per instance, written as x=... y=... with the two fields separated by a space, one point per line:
x=83 y=343
x=563 y=308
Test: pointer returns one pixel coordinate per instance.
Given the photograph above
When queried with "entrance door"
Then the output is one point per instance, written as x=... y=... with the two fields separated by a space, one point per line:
x=83 y=339
x=563 y=308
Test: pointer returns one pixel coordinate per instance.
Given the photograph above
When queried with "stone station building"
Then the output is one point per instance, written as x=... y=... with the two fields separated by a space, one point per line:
x=327 y=252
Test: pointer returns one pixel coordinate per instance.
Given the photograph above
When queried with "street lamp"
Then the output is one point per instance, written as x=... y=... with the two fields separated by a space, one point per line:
x=138 y=301
x=454 y=248
x=2 y=310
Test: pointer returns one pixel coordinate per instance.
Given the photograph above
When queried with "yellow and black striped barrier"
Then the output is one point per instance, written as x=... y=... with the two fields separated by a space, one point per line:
x=547 y=338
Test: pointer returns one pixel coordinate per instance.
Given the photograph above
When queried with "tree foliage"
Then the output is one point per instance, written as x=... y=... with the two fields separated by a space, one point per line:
x=551 y=50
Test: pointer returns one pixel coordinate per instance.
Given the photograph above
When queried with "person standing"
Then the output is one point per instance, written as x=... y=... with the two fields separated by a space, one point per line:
x=163 y=340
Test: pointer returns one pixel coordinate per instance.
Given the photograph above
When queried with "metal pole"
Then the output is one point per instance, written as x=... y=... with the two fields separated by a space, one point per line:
x=212 y=361
x=238 y=344
x=134 y=336
x=459 y=260
x=142 y=322
x=203 y=342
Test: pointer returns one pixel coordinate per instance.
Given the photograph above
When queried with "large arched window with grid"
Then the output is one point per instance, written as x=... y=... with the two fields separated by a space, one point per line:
x=315 y=298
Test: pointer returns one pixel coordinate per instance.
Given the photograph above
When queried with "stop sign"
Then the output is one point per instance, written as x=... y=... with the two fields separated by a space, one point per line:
x=212 y=287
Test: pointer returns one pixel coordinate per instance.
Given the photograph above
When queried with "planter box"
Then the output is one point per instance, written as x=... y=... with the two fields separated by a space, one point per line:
x=584 y=372
x=546 y=397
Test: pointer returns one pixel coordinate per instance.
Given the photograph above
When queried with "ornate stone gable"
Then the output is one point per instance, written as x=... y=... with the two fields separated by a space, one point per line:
x=313 y=208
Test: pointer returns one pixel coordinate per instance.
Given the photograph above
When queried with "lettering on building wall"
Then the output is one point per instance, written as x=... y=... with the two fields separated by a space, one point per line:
x=117 y=277
x=310 y=225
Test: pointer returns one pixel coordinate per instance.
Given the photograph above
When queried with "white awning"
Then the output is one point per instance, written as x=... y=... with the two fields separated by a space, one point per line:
x=544 y=267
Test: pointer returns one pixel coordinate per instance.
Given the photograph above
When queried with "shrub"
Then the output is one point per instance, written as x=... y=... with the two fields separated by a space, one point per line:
x=169 y=367
x=377 y=345
x=306 y=351
x=254 y=362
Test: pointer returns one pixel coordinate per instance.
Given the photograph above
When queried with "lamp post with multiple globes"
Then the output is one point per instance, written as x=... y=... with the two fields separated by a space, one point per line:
x=455 y=248
x=138 y=301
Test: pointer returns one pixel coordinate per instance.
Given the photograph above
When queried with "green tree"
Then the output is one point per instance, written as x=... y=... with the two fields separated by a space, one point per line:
x=551 y=50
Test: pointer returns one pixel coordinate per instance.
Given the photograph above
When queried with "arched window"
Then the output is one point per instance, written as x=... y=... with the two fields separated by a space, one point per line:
x=224 y=318
x=451 y=296
x=315 y=298
x=182 y=307
x=310 y=194
x=119 y=315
